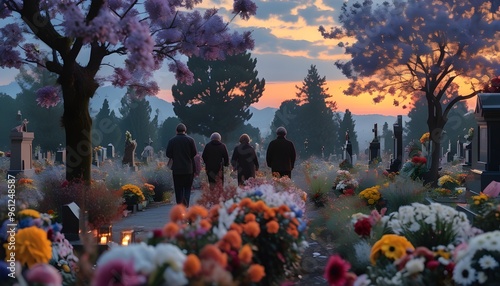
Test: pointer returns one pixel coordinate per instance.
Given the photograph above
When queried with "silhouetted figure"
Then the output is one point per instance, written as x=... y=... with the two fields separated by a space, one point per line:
x=244 y=160
x=216 y=157
x=281 y=155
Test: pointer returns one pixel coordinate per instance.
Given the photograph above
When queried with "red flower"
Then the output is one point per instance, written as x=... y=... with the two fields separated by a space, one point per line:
x=336 y=271
x=363 y=227
x=349 y=192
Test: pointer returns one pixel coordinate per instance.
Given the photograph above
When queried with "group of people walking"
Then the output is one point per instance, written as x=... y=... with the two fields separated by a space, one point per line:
x=181 y=150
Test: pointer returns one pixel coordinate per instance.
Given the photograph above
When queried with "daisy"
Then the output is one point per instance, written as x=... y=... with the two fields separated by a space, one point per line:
x=463 y=273
x=488 y=262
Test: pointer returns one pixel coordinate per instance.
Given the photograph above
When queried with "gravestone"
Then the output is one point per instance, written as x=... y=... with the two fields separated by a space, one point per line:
x=110 y=151
x=398 y=138
x=485 y=151
x=70 y=216
x=374 y=146
x=129 y=154
x=348 y=148
x=60 y=156
x=21 y=146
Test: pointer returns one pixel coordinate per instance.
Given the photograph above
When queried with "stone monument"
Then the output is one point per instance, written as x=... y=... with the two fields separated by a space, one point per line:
x=129 y=154
x=21 y=145
x=374 y=146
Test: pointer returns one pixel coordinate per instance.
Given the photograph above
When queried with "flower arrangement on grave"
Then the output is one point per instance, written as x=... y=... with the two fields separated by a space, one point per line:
x=345 y=165
x=415 y=168
x=132 y=194
x=318 y=190
x=371 y=195
x=487 y=210
x=448 y=186
x=478 y=261
x=148 y=190
x=27 y=194
x=345 y=183
x=470 y=134
x=42 y=250
x=430 y=225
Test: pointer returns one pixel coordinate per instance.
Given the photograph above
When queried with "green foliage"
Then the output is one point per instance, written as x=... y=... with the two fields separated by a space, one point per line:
x=105 y=128
x=401 y=192
x=220 y=96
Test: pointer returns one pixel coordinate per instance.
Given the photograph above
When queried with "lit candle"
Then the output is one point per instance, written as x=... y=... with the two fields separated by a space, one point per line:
x=104 y=240
x=126 y=239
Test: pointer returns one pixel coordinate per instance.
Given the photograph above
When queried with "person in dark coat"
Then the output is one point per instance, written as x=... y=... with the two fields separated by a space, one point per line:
x=280 y=155
x=244 y=160
x=215 y=157
x=181 y=149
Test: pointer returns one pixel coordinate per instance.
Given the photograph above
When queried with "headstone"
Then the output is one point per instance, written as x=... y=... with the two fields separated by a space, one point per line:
x=398 y=138
x=110 y=151
x=70 y=215
x=129 y=154
x=374 y=146
x=485 y=151
x=60 y=156
x=348 y=148
x=21 y=146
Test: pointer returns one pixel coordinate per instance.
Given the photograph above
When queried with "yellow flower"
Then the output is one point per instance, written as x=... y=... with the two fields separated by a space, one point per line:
x=32 y=246
x=29 y=213
x=134 y=190
x=425 y=137
x=391 y=246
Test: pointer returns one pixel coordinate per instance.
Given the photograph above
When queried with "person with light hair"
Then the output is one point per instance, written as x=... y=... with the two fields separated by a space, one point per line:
x=244 y=160
x=281 y=155
x=215 y=157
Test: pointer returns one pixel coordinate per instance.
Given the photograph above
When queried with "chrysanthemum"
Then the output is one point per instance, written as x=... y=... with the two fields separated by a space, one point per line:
x=233 y=238
x=192 y=265
x=272 y=226
x=336 y=271
x=32 y=246
x=251 y=229
x=256 y=272
x=28 y=213
x=211 y=252
x=245 y=254
x=488 y=262
x=171 y=229
x=178 y=213
x=196 y=211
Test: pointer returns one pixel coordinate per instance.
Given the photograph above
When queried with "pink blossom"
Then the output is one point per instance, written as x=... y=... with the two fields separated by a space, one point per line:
x=32 y=53
x=182 y=72
x=43 y=274
x=336 y=271
x=245 y=8
x=48 y=96
x=142 y=90
x=158 y=10
x=119 y=273
x=121 y=77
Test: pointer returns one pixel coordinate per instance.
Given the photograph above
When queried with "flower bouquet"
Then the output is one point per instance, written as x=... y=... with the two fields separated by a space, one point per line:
x=415 y=168
x=132 y=194
x=345 y=183
x=371 y=195
x=488 y=212
x=477 y=262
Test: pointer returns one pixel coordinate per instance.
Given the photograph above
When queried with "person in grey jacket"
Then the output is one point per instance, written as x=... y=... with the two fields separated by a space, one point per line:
x=215 y=157
x=244 y=160
x=181 y=149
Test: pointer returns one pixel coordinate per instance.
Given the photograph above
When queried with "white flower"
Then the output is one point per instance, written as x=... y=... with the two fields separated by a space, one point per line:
x=415 y=266
x=171 y=255
x=488 y=262
x=482 y=277
x=139 y=253
x=463 y=273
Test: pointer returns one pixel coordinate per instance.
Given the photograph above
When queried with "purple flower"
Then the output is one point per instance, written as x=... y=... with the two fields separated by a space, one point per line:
x=48 y=96
x=119 y=273
x=246 y=8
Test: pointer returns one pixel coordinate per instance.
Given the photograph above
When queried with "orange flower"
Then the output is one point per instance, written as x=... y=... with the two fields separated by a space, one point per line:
x=295 y=221
x=246 y=202
x=212 y=252
x=170 y=229
x=192 y=265
x=391 y=246
x=269 y=213
x=204 y=223
x=245 y=254
x=178 y=213
x=256 y=272
x=196 y=211
x=272 y=226
x=251 y=229
x=236 y=227
x=284 y=209
x=232 y=208
x=213 y=213
x=233 y=238
x=249 y=217
x=292 y=230
x=259 y=206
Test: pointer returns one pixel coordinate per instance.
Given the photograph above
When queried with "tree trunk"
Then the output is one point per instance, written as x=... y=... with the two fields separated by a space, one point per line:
x=77 y=88
x=433 y=174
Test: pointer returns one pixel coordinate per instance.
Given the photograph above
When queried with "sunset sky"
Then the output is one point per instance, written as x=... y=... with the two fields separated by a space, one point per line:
x=287 y=43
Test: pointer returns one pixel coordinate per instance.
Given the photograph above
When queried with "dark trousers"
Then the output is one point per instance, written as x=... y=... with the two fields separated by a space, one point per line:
x=182 y=188
x=283 y=173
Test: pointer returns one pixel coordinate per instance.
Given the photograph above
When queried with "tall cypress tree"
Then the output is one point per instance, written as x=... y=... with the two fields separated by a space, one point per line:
x=220 y=96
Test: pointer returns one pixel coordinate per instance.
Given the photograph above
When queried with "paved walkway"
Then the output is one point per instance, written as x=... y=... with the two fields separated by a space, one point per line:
x=155 y=216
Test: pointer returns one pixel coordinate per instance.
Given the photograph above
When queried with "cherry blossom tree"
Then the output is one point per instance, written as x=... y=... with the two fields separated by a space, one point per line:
x=75 y=39
x=405 y=48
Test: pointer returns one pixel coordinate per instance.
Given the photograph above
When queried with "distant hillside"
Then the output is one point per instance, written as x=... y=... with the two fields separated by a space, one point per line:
x=261 y=118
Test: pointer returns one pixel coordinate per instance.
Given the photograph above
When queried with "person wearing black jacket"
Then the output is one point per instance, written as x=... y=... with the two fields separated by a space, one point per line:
x=215 y=157
x=244 y=160
x=280 y=155
x=181 y=149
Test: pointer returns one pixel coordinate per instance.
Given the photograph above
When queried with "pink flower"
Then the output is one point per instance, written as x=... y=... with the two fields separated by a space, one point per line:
x=48 y=96
x=246 y=8
x=119 y=273
x=44 y=274
x=336 y=271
